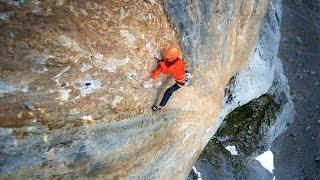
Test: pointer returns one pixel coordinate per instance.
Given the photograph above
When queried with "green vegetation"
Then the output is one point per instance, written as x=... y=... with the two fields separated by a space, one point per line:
x=245 y=127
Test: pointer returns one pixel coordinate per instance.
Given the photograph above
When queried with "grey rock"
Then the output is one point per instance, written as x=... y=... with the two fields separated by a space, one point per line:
x=312 y=73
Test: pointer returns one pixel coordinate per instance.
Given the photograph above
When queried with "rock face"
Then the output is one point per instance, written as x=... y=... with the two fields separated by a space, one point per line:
x=257 y=108
x=297 y=151
x=72 y=104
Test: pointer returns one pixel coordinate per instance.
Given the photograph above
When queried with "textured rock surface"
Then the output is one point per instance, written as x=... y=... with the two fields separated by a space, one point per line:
x=297 y=151
x=71 y=71
x=252 y=127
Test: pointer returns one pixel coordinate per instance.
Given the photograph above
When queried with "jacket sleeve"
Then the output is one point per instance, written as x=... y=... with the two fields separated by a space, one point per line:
x=156 y=73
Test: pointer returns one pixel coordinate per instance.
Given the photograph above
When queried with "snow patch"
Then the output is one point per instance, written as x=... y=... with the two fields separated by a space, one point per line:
x=266 y=160
x=197 y=173
x=232 y=150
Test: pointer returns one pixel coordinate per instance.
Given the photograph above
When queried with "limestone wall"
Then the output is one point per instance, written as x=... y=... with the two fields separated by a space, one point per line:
x=71 y=100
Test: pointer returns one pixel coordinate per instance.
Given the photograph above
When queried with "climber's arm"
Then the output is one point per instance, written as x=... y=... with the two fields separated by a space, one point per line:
x=156 y=73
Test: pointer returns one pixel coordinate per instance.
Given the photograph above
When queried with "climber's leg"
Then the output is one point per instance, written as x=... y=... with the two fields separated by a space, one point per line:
x=168 y=94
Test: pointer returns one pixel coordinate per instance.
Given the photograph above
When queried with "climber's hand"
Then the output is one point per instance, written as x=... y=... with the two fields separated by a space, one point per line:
x=148 y=83
x=157 y=56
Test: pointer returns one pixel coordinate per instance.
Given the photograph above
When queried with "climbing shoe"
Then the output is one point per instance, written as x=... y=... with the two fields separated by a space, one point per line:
x=156 y=108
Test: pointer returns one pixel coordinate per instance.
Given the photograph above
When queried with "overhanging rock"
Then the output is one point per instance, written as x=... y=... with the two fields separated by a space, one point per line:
x=72 y=104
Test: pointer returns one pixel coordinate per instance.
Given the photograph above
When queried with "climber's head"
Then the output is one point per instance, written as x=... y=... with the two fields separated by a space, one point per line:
x=172 y=54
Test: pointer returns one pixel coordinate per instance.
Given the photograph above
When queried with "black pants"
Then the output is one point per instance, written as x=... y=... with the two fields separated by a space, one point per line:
x=168 y=94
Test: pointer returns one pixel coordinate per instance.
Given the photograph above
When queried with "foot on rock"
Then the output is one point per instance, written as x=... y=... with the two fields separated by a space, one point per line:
x=156 y=107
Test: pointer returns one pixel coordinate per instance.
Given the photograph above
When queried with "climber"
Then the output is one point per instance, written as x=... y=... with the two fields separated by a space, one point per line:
x=171 y=64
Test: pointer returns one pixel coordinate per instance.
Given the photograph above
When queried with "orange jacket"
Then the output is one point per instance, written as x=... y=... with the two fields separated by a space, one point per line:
x=175 y=69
